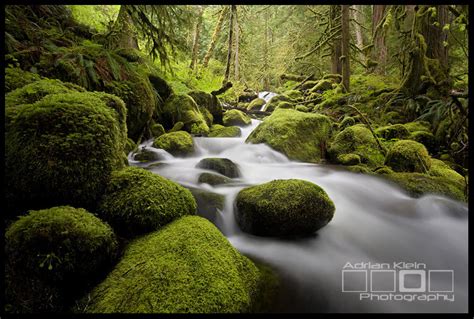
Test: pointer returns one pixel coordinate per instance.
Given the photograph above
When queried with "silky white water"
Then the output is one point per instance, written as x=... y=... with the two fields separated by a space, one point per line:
x=375 y=221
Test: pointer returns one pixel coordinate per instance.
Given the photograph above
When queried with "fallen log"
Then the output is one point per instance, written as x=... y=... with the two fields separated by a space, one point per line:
x=222 y=90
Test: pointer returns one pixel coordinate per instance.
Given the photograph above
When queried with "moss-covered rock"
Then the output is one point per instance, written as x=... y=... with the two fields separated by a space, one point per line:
x=138 y=201
x=356 y=140
x=346 y=122
x=157 y=129
x=222 y=166
x=213 y=179
x=130 y=146
x=161 y=87
x=208 y=203
x=302 y=108
x=349 y=159
x=256 y=104
x=425 y=138
x=182 y=108
x=393 y=131
x=178 y=143
x=54 y=254
x=16 y=78
x=408 y=156
x=308 y=85
x=36 y=90
x=283 y=208
x=178 y=126
x=321 y=86
x=417 y=184
x=229 y=131
x=392 y=117
x=418 y=126
x=146 y=155
x=209 y=102
x=62 y=149
x=300 y=136
x=440 y=168
x=285 y=105
x=236 y=118
x=188 y=266
x=358 y=169
x=274 y=101
x=207 y=116
x=383 y=170
x=294 y=94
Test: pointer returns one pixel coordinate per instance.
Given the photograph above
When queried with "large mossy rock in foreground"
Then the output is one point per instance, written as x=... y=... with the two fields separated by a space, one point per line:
x=178 y=143
x=54 y=254
x=283 y=208
x=137 y=201
x=222 y=166
x=236 y=118
x=357 y=140
x=183 y=108
x=187 y=267
x=62 y=149
x=408 y=156
x=300 y=136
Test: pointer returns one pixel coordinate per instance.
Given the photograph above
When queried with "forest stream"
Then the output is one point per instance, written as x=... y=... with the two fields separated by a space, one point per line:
x=374 y=222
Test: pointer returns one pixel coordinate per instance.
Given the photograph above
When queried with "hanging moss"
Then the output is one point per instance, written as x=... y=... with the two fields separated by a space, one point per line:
x=137 y=201
x=187 y=267
x=52 y=255
x=61 y=150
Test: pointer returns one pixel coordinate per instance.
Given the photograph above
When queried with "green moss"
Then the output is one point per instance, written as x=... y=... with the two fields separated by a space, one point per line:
x=213 y=179
x=207 y=116
x=16 y=78
x=256 y=104
x=182 y=108
x=294 y=94
x=61 y=150
x=138 y=201
x=208 y=203
x=161 y=87
x=300 y=136
x=54 y=254
x=230 y=131
x=383 y=170
x=301 y=108
x=347 y=121
x=393 y=131
x=440 y=168
x=425 y=138
x=236 y=118
x=392 y=117
x=157 y=129
x=357 y=140
x=178 y=126
x=36 y=90
x=321 y=86
x=145 y=155
x=274 y=101
x=308 y=85
x=358 y=169
x=130 y=146
x=283 y=208
x=208 y=102
x=349 y=159
x=417 y=184
x=188 y=266
x=178 y=143
x=418 y=126
x=285 y=105
x=222 y=166
x=408 y=156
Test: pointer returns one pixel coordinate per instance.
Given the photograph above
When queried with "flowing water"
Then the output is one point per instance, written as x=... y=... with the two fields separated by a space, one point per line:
x=375 y=222
x=266 y=96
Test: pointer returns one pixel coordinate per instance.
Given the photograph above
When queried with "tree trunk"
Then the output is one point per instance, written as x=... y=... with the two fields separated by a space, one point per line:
x=124 y=26
x=229 y=48
x=435 y=36
x=336 y=66
x=197 y=32
x=380 y=49
x=236 y=41
x=358 y=29
x=215 y=36
x=345 y=47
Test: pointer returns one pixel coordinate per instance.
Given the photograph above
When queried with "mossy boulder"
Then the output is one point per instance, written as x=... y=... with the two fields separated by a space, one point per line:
x=16 y=78
x=229 y=131
x=285 y=105
x=349 y=159
x=178 y=126
x=157 y=129
x=236 y=118
x=308 y=85
x=208 y=203
x=358 y=140
x=213 y=179
x=392 y=117
x=362 y=169
x=440 y=168
x=300 y=136
x=274 y=101
x=418 y=126
x=418 y=184
x=62 y=149
x=294 y=94
x=183 y=108
x=178 y=143
x=188 y=266
x=36 y=90
x=138 y=201
x=347 y=121
x=247 y=97
x=146 y=155
x=256 y=104
x=302 y=108
x=51 y=255
x=162 y=88
x=283 y=208
x=209 y=102
x=321 y=86
x=425 y=138
x=393 y=131
x=408 y=156
x=222 y=166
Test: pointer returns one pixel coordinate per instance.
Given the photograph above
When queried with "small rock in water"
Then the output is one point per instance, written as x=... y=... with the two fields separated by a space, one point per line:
x=223 y=166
